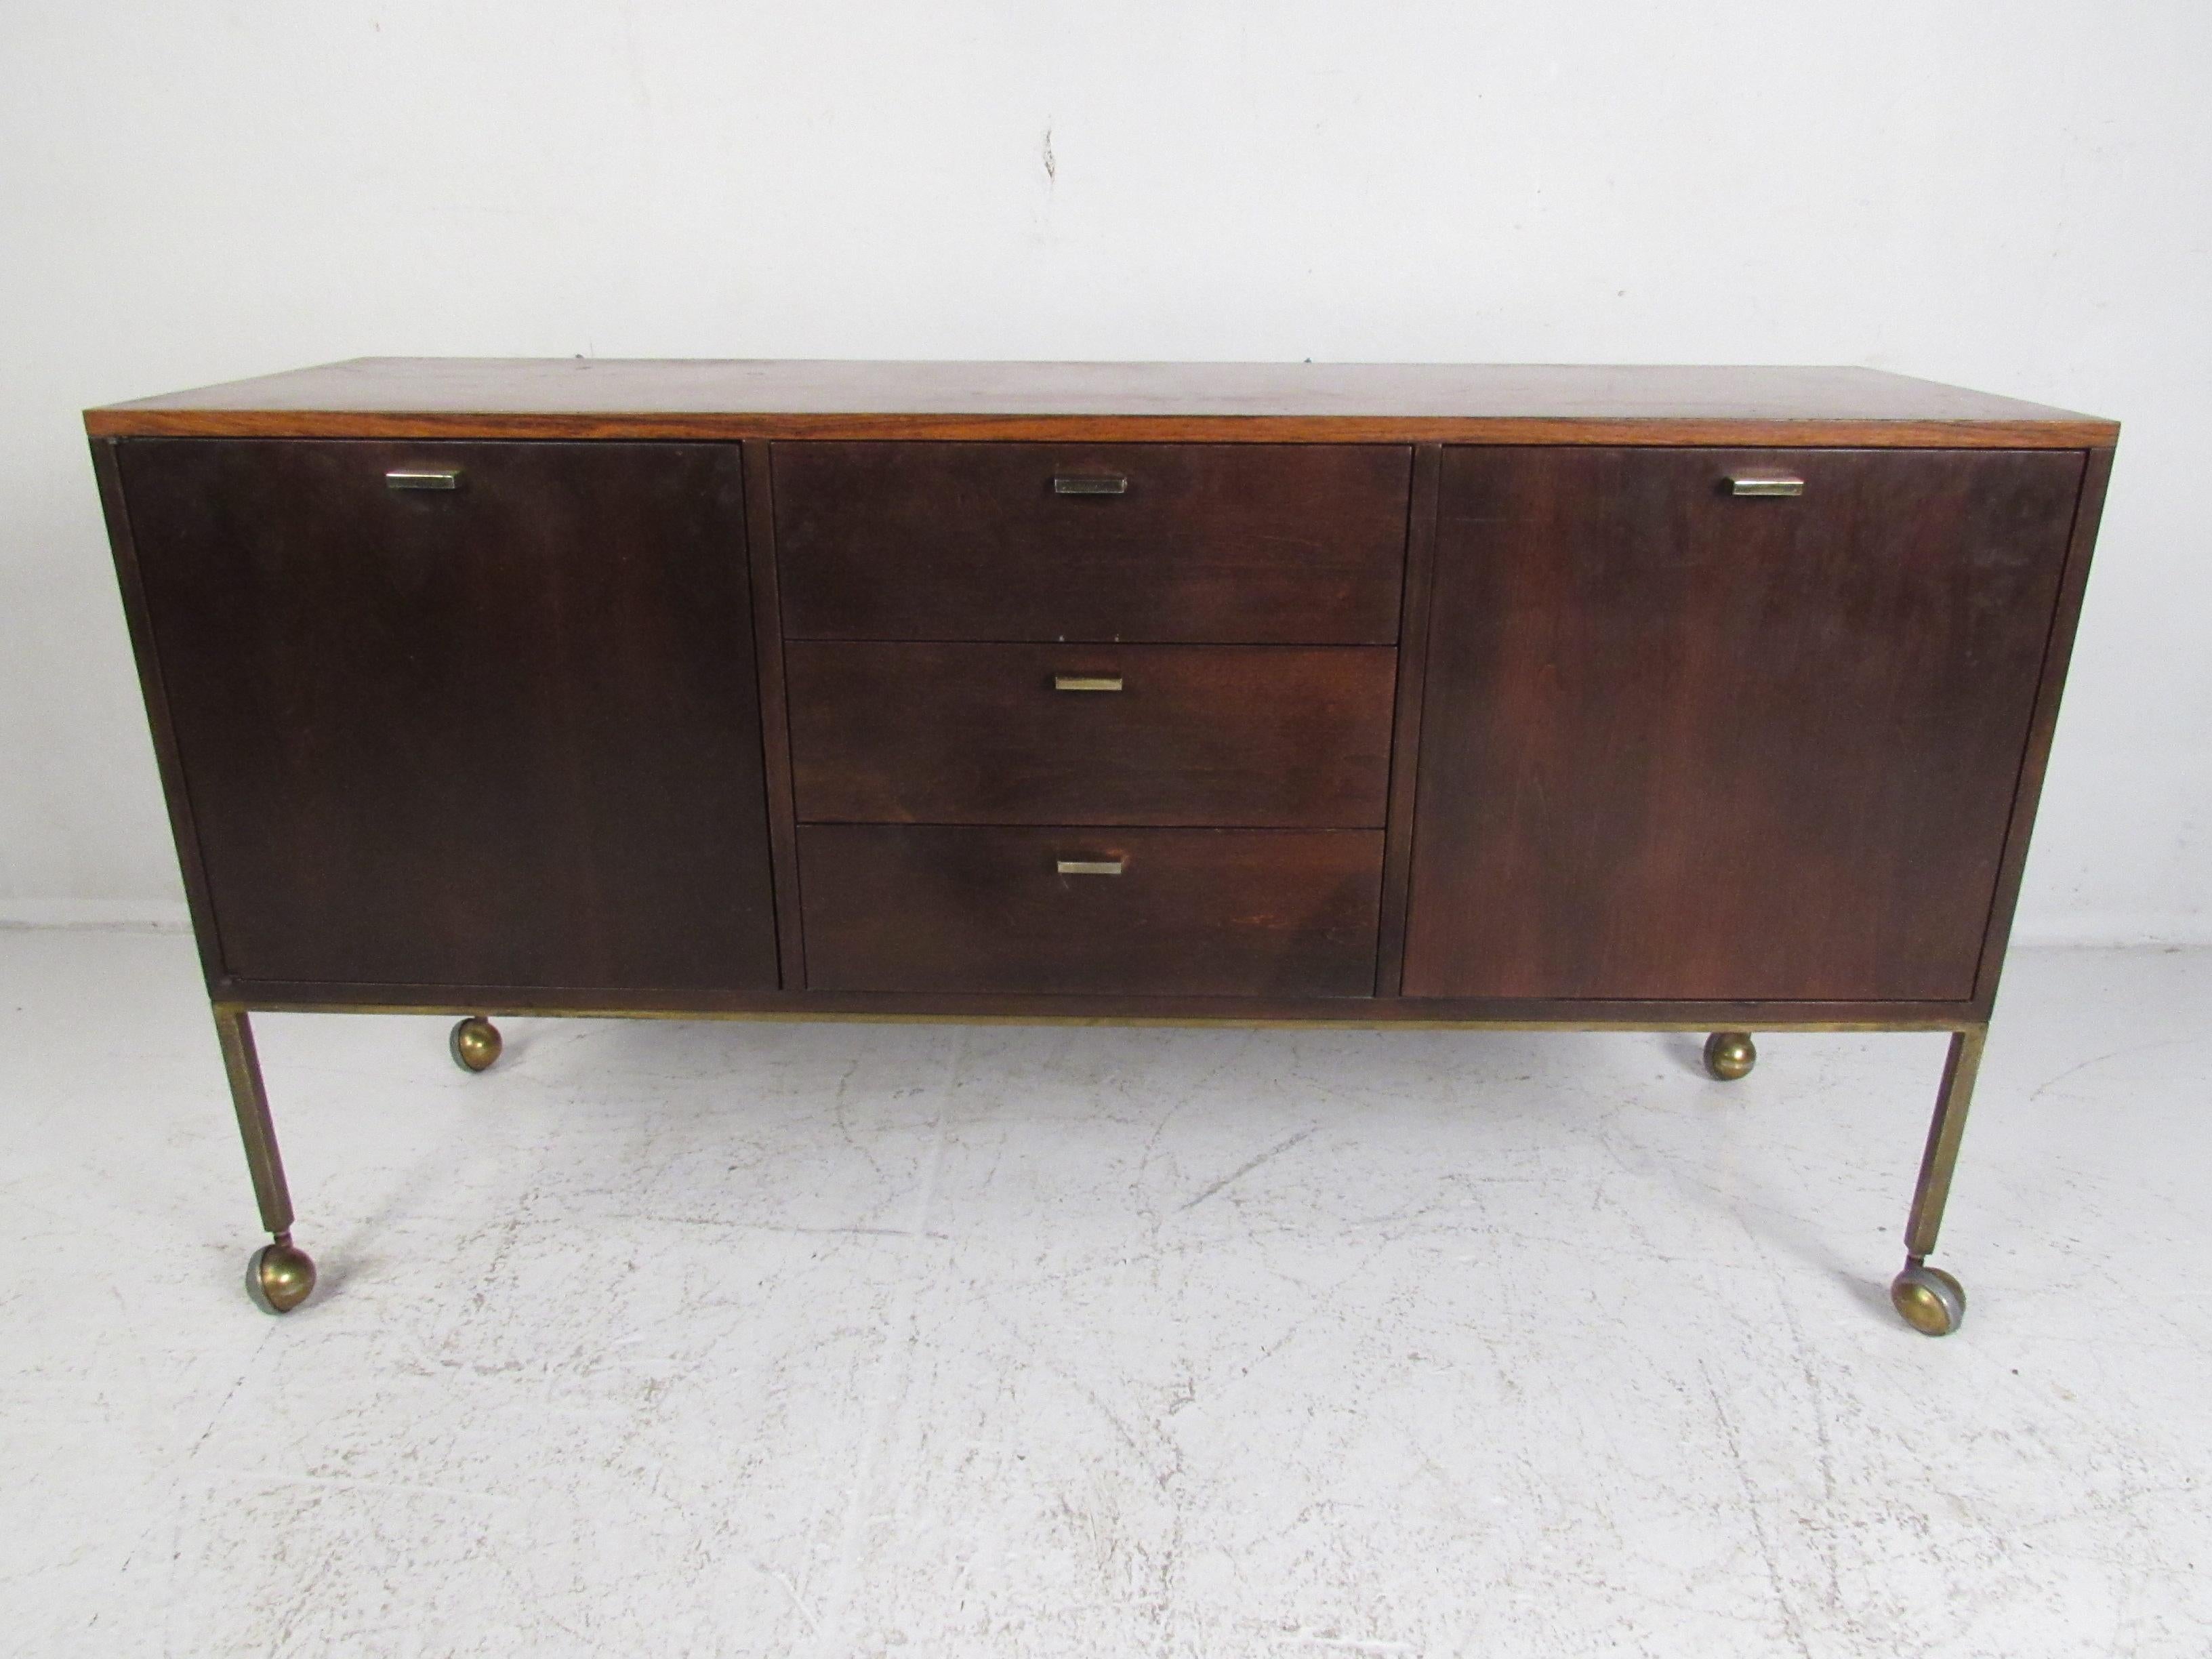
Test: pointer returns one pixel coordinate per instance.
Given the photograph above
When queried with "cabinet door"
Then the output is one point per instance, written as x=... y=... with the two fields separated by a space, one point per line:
x=503 y=733
x=1681 y=743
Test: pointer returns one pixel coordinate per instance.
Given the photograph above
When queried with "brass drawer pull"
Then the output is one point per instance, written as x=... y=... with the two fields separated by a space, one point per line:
x=1076 y=483
x=1086 y=682
x=428 y=477
x=1766 y=483
x=1089 y=867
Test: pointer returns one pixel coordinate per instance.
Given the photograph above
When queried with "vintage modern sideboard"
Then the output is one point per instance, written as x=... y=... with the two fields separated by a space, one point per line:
x=1696 y=699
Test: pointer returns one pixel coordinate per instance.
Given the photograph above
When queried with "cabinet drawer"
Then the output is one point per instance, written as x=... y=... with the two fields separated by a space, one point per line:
x=1192 y=912
x=1248 y=736
x=1281 y=544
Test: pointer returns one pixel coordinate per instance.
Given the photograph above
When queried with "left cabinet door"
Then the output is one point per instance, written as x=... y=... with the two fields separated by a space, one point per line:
x=463 y=714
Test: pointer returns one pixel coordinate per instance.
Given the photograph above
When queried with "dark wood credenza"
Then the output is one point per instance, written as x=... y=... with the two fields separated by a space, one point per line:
x=1671 y=699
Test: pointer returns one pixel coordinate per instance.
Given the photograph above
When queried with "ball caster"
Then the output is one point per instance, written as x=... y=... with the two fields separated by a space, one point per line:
x=1730 y=1055
x=279 y=1276
x=475 y=1044
x=1928 y=1299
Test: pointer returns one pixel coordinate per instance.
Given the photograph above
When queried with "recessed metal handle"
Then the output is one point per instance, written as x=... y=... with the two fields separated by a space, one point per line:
x=1766 y=483
x=1089 y=867
x=1089 y=483
x=423 y=478
x=1086 y=682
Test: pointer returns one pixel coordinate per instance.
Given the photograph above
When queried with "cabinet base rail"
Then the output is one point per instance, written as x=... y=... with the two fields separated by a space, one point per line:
x=280 y=1276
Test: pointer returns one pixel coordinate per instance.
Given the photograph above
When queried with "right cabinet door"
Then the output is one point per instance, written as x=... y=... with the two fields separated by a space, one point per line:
x=1681 y=742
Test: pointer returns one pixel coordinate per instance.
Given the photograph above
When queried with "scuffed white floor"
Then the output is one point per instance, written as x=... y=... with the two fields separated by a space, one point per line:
x=741 y=1338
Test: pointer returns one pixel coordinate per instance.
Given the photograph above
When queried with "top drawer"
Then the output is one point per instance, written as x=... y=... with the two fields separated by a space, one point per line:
x=1210 y=543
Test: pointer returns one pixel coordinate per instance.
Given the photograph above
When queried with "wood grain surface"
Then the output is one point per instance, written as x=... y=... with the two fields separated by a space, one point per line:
x=1280 y=913
x=1210 y=543
x=586 y=398
x=1469 y=681
x=1678 y=745
x=505 y=732
x=2058 y=654
x=1251 y=736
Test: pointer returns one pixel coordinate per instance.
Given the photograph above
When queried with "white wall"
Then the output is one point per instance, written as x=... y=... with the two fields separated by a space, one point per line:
x=2015 y=196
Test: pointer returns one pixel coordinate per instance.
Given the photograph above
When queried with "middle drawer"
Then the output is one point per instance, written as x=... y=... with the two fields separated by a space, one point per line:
x=1256 y=737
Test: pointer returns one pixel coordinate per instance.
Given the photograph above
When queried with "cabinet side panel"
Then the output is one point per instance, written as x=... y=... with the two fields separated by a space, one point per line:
x=504 y=732
x=116 y=512
x=2095 y=476
x=1681 y=742
x=775 y=712
x=1405 y=726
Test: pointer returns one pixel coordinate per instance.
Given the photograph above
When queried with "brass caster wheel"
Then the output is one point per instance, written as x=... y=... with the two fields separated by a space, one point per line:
x=475 y=1044
x=280 y=1276
x=1730 y=1055
x=1928 y=1299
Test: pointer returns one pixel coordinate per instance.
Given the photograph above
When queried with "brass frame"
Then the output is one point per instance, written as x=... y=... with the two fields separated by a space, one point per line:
x=1945 y=1132
x=496 y=1010
x=249 y=1097
x=1931 y=1192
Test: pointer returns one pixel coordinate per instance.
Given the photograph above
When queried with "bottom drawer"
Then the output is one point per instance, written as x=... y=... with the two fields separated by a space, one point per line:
x=1192 y=912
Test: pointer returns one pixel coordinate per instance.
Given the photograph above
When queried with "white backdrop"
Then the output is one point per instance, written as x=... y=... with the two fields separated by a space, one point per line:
x=2015 y=196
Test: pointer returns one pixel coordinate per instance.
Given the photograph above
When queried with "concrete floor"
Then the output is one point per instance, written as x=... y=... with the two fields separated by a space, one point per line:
x=853 y=1341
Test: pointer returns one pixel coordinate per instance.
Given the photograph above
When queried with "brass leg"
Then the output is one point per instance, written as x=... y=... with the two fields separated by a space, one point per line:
x=279 y=1275
x=475 y=1044
x=1730 y=1055
x=1929 y=1299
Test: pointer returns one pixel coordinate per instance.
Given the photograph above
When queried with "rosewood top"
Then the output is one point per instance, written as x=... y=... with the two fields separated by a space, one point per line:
x=702 y=398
